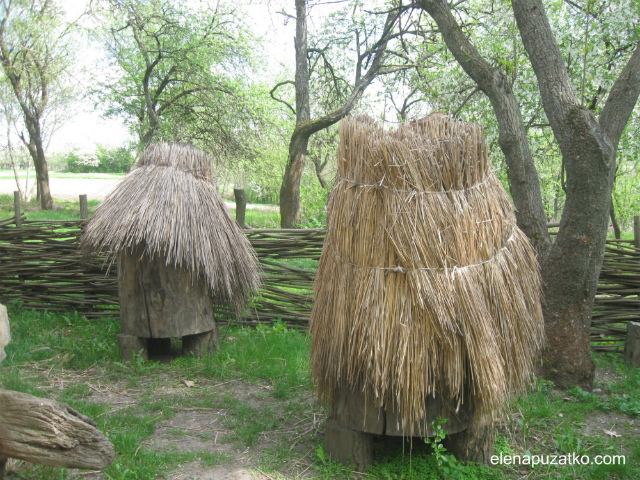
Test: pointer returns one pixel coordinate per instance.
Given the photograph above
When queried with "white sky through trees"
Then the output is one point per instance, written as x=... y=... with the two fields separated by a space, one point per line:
x=87 y=128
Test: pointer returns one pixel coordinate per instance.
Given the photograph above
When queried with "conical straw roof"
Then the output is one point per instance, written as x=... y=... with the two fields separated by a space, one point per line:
x=169 y=205
x=425 y=285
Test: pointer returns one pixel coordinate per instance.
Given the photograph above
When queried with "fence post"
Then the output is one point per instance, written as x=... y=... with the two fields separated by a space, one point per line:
x=636 y=231
x=84 y=207
x=241 y=206
x=16 y=206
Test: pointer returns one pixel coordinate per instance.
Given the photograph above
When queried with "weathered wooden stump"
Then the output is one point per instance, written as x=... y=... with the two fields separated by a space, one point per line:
x=632 y=345
x=354 y=420
x=5 y=332
x=159 y=302
x=49 y=433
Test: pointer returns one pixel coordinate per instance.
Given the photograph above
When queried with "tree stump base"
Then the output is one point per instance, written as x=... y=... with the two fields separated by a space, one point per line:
x=130 y=346
x=474 y=444
x=632 y=345
x=355 y=419
x=347 y=446
x=159 y=302
x=200 y=344
x=3 y=464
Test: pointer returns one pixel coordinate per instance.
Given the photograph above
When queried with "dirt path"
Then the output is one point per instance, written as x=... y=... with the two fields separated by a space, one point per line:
x=70 y=188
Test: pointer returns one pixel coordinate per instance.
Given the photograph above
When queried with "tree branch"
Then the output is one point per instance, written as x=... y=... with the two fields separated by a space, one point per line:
x=273 y=90
x=512 y=134
x=622 y=99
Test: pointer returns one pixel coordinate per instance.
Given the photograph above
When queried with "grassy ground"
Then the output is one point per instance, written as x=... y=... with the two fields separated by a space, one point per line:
x=70 y=210
x=251 y=408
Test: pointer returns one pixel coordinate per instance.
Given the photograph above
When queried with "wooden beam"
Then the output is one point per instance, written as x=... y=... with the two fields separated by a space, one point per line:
x=50 y=433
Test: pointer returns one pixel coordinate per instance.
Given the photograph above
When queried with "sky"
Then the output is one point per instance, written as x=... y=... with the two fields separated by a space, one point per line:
x=87 y=127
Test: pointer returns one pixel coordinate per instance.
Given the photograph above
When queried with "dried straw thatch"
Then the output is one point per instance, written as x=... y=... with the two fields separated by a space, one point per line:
x=425 y=284
x=169 y=206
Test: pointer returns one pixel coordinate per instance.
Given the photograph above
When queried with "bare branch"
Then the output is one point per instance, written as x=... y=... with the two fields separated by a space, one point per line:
x=273 y=90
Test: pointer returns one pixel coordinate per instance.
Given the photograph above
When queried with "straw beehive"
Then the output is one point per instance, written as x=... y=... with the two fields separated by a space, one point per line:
x=165 y=222
x=426 y=286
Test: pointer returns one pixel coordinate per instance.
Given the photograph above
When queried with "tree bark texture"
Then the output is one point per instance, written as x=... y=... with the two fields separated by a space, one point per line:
x=161 y=301
x=50 y=433
x=36 y=150
x=570 y=271
x=523 y=176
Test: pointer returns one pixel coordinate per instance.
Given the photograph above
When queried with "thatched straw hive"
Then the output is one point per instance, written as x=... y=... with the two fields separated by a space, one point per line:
x=177 y=247
x=426 y=287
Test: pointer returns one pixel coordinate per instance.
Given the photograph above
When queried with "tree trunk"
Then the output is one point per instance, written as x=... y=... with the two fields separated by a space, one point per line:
x=36 y=150
x=241 y=206
x=614 y=221
x=290 y=189
x=570 y=272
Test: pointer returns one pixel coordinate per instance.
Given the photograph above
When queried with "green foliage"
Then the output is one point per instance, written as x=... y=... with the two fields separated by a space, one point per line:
x=102 y=160
x=596 y=40
x=446 y=462
x=326 y=468
x=398 y=459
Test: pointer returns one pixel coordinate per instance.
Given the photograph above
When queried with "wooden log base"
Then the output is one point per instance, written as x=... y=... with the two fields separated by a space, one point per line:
x=475 y=444
x=200 y=344
x=131 y=345
x=632 y=345
x=50 y=433
x=353 y=409
x=3 y=464
x=351 y=447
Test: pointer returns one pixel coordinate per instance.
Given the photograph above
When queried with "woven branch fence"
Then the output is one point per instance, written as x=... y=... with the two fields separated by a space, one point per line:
x=41 y=268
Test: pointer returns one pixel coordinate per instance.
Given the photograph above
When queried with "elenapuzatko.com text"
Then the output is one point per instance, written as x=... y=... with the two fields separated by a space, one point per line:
x=568 y=459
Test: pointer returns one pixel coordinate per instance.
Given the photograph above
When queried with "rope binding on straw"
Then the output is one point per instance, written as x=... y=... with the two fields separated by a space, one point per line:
x=381 y=185
x=401 y=269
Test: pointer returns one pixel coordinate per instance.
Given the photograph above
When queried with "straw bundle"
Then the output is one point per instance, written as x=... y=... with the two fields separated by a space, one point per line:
x=167 y=205
x=425 y=285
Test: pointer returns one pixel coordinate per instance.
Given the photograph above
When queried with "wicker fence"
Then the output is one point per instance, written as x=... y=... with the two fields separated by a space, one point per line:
x=41 y=268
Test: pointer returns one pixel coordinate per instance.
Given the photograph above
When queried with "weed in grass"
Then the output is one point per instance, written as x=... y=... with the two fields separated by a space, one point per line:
x=67 y=339
x=327 y=469
x=76 y=390
x=247 y=422
x=212 y=459
x=275 y=354
x=11 y=378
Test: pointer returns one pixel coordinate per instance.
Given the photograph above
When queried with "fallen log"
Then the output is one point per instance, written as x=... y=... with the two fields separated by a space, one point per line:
x=50 y=433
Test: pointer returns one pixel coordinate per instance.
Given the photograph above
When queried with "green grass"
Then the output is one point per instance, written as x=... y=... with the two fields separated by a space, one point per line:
x=8 y=174
x=70 y=210
x=62 y=209
x=258 y=382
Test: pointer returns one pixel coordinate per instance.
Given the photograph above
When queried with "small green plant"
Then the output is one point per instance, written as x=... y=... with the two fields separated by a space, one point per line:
x=447 y=463
x=327 y=469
